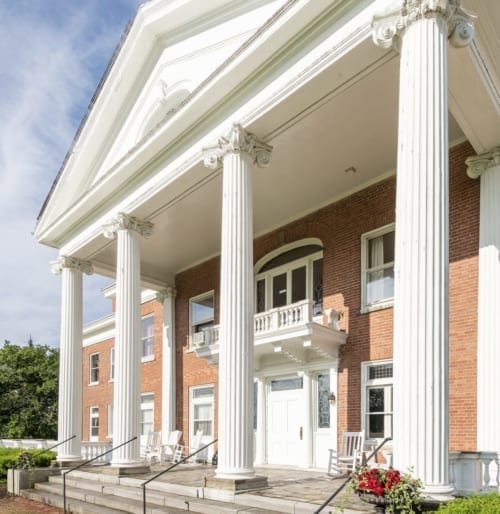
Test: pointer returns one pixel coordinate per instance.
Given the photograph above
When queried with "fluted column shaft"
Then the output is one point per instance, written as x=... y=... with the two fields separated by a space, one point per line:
x=307 y=420
x=69 y=422
x=168 y=363
x=487 y=167
x=421 y=254
x=260 y=450
x=238 y=154
x=126 y=422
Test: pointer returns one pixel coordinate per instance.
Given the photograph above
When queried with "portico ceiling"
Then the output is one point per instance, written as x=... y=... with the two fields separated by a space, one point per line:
x=333 y=135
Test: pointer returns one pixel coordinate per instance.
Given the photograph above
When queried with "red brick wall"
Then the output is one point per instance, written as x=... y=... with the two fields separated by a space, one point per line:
x=101 y=394
x=339 y=227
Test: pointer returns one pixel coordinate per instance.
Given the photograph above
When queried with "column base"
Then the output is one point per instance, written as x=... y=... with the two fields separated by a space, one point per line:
x=236 y=484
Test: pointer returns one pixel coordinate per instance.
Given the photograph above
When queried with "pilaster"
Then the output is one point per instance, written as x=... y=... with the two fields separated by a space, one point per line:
x=260 y=450
x=486 y=167
x=126 y=422
x=420 y=29
x=168 y=423
x=70 y=357
x=238 y=153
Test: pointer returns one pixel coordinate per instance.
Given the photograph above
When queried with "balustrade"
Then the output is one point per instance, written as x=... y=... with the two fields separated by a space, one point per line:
x=93 y=449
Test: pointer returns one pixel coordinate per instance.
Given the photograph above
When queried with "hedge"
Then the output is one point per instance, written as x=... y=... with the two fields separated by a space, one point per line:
x=20 y=458
x=476 y=504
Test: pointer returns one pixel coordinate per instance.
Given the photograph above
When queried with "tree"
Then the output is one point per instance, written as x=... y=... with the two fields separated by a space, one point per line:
x=29 y=389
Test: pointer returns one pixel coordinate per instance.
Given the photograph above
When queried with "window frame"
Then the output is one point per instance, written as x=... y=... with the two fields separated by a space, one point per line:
x=205 y=321
x=94 y=369
x=147 y=339
x=112 y=354
x=365 y=239
x=111 y=408
x=206 y=400
x=148 y=405
x=94 y=414
x=287 y=269
x=366 y=384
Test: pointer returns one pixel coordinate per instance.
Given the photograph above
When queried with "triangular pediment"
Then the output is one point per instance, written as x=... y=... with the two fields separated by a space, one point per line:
x=170 y=49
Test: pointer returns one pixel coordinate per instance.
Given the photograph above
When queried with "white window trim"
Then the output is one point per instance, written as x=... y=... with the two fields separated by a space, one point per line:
x=112 y=369
x=365 y=382
x=287 y=268
x=193 y=401
x=382 y=304
x=151 y=357
x=149 y=405
x=195 y=299
x=92 y=382
x=94 y=438
x=110 y=421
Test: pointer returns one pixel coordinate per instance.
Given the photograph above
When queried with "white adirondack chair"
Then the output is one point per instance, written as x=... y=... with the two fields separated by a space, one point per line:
x=153 y=449
x=183 y=451
x=171 y=444
x=349 y=454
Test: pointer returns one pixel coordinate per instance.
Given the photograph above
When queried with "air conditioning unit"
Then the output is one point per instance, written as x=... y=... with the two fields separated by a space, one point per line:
x=198 y=339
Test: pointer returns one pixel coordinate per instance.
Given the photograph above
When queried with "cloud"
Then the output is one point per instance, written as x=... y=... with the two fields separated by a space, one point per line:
x=53 y=54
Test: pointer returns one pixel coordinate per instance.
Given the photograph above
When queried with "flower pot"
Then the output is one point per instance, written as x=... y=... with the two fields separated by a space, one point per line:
x=380 y=502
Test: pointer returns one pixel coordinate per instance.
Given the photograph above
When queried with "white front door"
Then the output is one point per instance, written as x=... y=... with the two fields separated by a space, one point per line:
x=285 y=422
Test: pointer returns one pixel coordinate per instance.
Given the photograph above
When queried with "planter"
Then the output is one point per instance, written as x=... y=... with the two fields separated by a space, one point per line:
x=380 y=502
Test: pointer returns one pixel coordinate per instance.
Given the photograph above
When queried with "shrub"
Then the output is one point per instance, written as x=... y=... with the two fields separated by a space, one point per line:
x=23 y=459
x=476 y=504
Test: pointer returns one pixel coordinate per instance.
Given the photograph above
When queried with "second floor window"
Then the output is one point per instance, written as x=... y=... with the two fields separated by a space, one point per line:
x=147 y=338
x=202 y=312
x=291 y=277
x=94 y=368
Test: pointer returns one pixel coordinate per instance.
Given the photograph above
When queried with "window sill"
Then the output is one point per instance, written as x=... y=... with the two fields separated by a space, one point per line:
x=93 y=384
x=386 y=304
x=149 y=358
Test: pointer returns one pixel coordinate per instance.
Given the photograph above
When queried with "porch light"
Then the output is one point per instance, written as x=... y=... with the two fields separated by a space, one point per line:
x=332 y=398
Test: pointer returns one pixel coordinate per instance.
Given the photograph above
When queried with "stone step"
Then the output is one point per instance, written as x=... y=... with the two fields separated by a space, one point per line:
x=129 y=499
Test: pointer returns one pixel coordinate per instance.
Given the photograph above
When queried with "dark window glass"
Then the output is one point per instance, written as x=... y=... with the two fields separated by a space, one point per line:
x=279 y=290
x=299 y=284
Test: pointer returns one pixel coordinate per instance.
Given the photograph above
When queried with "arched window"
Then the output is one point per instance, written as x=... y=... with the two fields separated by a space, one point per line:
x=292 y=276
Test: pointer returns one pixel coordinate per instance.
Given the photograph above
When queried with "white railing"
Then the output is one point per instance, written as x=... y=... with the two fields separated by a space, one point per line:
x=473 y=472
x=91 y=450
x=24 y=443
x=282 y=318
x=207 y=337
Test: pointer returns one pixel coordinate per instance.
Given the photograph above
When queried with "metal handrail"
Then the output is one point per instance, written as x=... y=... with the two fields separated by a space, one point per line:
x=349 y=478
x=88 y=462
x=144 y=484
x=35 y=455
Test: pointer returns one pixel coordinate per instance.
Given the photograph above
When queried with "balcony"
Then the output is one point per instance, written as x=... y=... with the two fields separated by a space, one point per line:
x=287 y=333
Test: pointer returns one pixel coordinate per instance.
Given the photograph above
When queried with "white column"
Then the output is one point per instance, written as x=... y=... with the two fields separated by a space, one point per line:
x=126 y=422
x=307 y=420
x=487 y=167
x=69 y=420
x=260 y=451
x=168 y=411
x=421 y=260
x=238 y=153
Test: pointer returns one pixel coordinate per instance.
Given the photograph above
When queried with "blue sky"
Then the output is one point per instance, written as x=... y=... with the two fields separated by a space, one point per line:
x=52 y=54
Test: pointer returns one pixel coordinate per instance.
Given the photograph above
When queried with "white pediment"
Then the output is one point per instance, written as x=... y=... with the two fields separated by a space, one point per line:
x=171 y=48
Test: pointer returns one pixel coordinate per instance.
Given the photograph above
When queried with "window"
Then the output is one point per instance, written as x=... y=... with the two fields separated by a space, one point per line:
x=94 y=424
x=94 y=368
x=147 y=338
x=377 y=399
x=112 y=363
x=202 y=410
x=147 y=413
x=110 y=420
x=201 y=315
x=323 y=400
x=290 y=277
x=377 y=261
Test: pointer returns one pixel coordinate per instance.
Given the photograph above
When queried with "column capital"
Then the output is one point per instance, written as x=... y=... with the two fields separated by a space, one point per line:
x=168 y=292
x=400 y=14
x=478 y=164
x=123 y=221
x=66 y=261
x=238 y=141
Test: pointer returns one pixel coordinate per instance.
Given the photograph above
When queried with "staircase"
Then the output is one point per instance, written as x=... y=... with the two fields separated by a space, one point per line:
x=92 y=493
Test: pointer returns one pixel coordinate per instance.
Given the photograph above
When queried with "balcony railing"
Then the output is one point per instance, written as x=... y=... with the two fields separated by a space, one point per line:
x=274 y=320
x=90 y=450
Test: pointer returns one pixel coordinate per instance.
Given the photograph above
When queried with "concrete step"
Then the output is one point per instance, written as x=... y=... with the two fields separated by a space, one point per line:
x=129 y=499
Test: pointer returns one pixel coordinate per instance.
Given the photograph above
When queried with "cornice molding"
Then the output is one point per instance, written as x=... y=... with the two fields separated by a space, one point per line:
x=400 y=14
x=236 y=142
x=65 y=261
x=480 y=163
x=123 y=221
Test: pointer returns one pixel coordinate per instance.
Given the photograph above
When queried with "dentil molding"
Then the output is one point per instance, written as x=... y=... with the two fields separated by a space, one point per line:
x=238 y=141
x=400 y=14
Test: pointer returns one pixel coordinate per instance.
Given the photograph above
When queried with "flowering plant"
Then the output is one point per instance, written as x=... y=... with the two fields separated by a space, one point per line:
x=400 y=491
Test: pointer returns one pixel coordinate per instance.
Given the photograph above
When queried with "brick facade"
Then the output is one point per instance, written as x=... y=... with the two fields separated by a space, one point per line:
x=339 y=226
